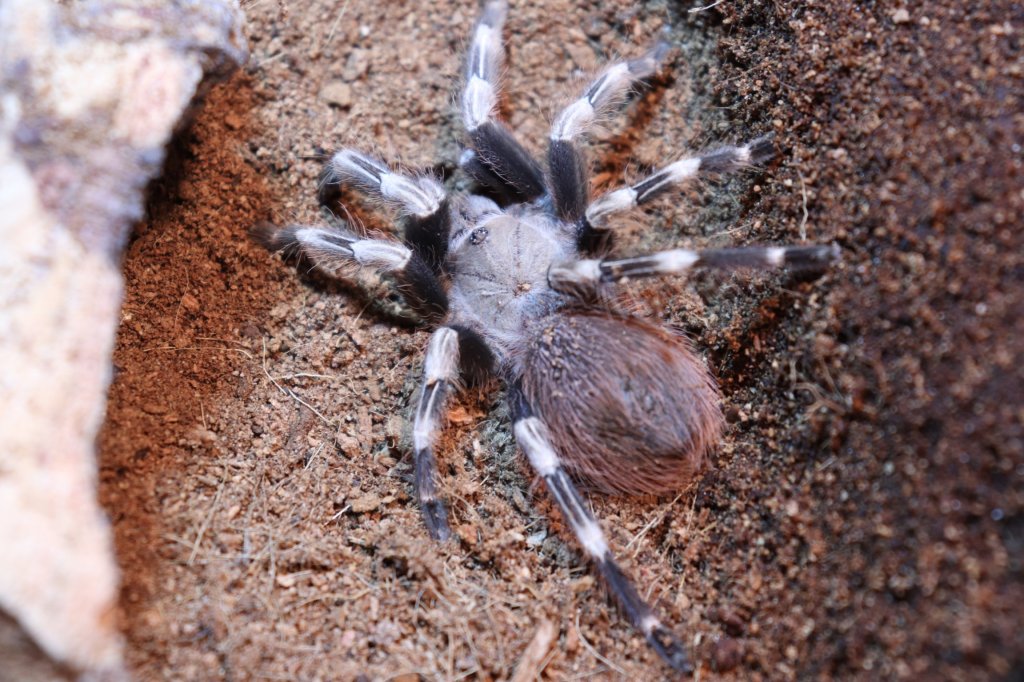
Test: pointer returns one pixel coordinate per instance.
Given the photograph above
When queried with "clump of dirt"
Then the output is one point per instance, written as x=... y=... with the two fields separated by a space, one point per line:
x=862 y=516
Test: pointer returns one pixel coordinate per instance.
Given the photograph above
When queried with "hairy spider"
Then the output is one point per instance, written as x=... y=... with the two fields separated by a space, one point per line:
x=596 y=395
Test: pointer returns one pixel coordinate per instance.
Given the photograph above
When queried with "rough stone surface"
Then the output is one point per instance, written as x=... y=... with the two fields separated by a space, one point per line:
x=89 y=97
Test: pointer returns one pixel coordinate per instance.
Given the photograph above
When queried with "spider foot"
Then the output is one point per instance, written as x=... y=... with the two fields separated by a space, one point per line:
x=435 y=516
x=762 y=149
x=670 y=649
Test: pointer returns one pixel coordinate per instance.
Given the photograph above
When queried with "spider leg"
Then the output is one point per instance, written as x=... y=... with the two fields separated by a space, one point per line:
x=440 y=374
x=568 y=173
x=532 y=436
x=584 y=274
x=721 y=160
x=496 y=158
x=421 y=199
x=335 y=251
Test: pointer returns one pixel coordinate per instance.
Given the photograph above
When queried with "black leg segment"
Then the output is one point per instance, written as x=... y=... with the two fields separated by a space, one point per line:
x=428 y=236
x=440 y=372
x=568 y=180
x=507 y=160
x=535 y=440
x=338 y=252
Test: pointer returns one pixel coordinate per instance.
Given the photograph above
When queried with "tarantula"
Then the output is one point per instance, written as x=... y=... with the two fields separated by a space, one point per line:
x=596 y=396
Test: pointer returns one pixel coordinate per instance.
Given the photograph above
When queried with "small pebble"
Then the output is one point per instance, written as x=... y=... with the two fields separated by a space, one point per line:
x=190 y=303
x=726 y=654
x=154 y=408
x=338 y=94
x=204 y=435
x=366 y=503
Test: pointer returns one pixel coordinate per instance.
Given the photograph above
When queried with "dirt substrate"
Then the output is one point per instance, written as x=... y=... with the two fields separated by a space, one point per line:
x=864 y=516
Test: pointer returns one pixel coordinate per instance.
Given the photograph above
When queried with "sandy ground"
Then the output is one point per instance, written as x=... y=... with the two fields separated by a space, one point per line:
x=863 y=516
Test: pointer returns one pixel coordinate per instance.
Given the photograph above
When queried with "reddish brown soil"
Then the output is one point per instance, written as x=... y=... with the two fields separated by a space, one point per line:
x=864 y=516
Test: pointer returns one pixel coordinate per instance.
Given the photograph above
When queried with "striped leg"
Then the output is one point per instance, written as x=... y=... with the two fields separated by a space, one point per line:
x=722 y=160
x=422 y=200
x=585 y=274
x=440 y=374
x=569 y=178
x=496 y=158
x=532 y=436
x=336 y=251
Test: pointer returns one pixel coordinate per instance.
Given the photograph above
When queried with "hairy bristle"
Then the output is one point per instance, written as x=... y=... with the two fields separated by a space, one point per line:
x=762 y=150
x=651 y=437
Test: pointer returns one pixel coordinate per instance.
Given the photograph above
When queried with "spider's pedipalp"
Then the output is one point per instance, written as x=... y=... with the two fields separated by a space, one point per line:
x=498 y=157
x=533 y=437
x=722 y=160
x=421 y=199
x=336 y=252
x=574 y=275
x=568 y=173
x=440 y=375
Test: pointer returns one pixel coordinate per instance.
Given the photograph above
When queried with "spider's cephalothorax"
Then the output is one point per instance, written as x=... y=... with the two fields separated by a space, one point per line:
x=609 y=400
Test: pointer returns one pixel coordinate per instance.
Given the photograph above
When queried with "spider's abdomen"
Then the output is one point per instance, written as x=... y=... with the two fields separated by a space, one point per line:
x=630 y=408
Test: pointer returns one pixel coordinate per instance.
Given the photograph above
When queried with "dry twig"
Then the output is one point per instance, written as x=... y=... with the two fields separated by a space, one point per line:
x=532 y=662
